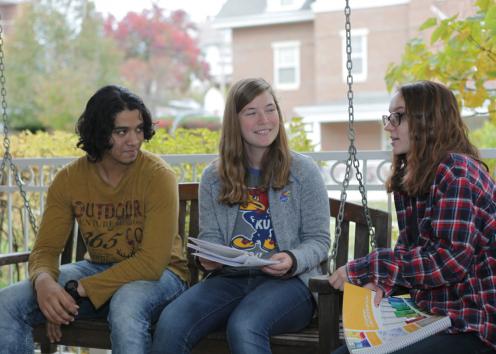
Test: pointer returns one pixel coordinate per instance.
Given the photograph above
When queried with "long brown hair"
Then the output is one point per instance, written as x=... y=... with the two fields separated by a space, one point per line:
x=435 y=129
x=233 y=162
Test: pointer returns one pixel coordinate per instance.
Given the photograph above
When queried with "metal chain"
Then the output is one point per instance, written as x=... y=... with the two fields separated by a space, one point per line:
x=352 y=159
x=7 y=157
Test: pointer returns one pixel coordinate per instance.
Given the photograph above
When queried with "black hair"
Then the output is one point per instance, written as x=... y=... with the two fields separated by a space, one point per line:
x=96 y=123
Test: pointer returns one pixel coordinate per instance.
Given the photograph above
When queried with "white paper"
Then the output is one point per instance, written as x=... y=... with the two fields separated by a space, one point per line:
x=226 y=255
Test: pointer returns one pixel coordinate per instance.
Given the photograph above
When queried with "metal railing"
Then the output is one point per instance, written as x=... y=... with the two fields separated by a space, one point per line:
x=37 y=174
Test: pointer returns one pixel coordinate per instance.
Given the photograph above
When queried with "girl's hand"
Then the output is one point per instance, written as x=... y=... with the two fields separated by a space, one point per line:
x=281 y=268
x=209 y=265
x=379 y=293
x=338 y=278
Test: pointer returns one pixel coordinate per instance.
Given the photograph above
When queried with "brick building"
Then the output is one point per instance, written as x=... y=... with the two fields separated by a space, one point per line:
x=299 y=46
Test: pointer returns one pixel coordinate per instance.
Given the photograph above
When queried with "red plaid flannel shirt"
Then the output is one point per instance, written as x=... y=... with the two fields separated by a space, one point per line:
x=450 y=266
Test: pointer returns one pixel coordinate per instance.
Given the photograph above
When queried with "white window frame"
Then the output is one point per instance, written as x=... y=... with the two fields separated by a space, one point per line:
x=276 y=46
x=363 y=34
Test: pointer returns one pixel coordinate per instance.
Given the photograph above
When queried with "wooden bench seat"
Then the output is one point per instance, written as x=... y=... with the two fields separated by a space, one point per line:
x=320 y=337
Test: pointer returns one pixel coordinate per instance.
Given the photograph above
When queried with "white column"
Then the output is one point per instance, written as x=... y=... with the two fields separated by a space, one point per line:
x=315 y=136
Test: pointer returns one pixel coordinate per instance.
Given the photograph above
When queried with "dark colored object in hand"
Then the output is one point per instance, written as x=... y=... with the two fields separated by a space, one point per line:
x=71 y=287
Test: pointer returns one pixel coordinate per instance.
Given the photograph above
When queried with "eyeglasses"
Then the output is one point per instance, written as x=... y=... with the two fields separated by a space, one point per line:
x=394 y=118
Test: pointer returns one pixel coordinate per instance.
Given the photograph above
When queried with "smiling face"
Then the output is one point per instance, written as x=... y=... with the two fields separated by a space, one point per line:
x=259 y=123
x=400 y=138
x=127 y=137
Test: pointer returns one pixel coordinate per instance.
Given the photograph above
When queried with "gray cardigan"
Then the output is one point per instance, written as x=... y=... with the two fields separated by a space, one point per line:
x=300 y=216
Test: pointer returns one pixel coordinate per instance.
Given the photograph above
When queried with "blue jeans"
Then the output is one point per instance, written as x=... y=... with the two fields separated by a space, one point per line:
x=251 y=308
x=130 y=311
x=462 y=343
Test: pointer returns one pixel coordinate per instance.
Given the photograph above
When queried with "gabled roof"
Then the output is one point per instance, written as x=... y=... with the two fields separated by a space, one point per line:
x=249 y=13
x=11 y=2
x=236 y=8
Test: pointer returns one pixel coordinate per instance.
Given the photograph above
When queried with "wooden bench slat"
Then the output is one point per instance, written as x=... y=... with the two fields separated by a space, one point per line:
x=14 y=258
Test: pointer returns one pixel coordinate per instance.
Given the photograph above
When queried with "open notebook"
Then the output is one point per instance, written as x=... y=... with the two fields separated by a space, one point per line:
x=394 y=324
x=226 y=255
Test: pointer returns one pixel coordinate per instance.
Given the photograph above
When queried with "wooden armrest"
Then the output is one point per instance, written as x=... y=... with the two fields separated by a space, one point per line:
x=14 y=258
x=320 y=284
x=328 y=311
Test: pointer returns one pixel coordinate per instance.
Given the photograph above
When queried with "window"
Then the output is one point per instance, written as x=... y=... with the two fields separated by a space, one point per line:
x=358 y=54
x=286 y=65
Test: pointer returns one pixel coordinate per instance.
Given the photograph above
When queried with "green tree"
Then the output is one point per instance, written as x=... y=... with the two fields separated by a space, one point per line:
x=485 y=139
x=298 y=139
x=461 y=54
x=23 y=72
x=56 y=57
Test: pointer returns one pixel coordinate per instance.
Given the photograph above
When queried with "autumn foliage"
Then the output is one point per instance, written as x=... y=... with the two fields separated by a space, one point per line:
x=161 y=56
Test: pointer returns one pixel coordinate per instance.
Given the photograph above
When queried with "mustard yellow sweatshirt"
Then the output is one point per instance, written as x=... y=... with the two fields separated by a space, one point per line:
x=133 y=225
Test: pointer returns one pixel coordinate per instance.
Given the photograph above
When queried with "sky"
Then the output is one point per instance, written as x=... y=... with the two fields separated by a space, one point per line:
x=198 y=10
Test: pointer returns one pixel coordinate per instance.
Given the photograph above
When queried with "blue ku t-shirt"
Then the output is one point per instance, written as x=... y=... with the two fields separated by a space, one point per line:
x=253 y=229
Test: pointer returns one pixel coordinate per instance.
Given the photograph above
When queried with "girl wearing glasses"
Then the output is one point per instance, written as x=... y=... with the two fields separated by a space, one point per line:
x=446 y=207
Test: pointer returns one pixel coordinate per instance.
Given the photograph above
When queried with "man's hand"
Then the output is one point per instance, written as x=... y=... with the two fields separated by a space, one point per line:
x=209 y=265
x=338 y=278
x=53 y=331
x=81 y=291
x=281 y=268
x=55 y=303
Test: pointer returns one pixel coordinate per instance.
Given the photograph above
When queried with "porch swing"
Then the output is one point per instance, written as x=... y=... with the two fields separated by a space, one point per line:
x=371 y=226
x=8 y=163
x=321 y=338
x=352 y=158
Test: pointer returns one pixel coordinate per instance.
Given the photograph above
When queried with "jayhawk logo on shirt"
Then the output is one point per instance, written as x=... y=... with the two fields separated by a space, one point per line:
x=256 y=213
